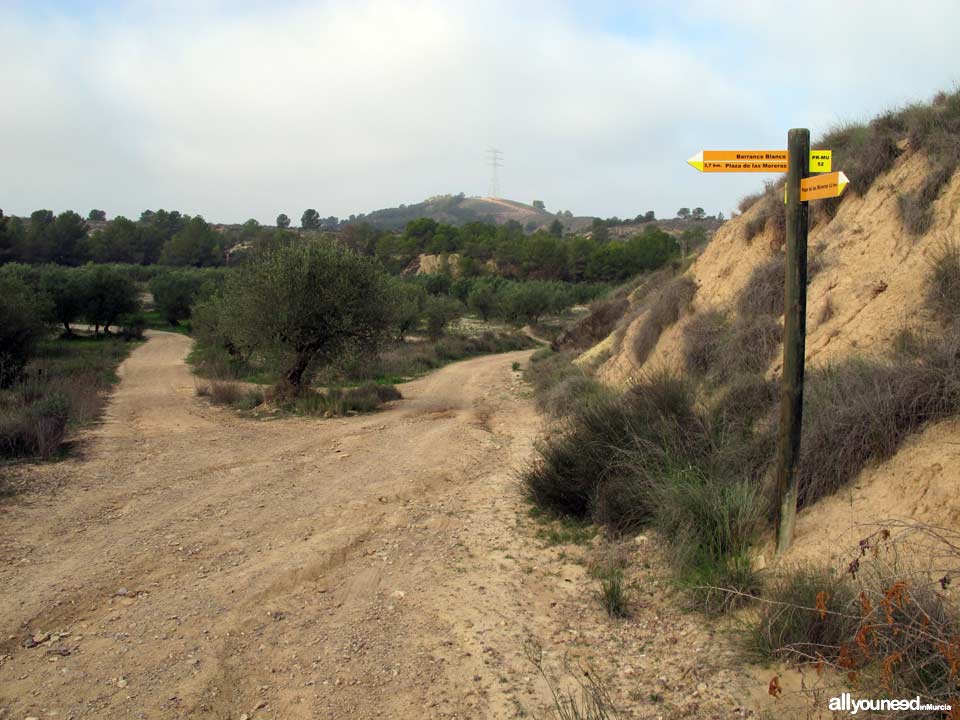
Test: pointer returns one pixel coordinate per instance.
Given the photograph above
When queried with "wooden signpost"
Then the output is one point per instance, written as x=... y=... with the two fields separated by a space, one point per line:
x=798 y=162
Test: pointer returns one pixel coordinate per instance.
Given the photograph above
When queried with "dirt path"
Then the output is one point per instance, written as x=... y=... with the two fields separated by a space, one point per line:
x=192 y=563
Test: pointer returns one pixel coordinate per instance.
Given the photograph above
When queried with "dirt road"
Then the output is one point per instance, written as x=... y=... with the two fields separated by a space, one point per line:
x=191 y=563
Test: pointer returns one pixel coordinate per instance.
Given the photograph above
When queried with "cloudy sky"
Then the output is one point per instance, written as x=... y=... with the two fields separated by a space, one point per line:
x=235 y=109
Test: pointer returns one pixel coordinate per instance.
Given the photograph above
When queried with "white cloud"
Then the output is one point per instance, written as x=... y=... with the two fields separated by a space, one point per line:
x=348 y=106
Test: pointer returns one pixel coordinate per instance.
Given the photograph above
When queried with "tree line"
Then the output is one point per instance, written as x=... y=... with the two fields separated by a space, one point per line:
x=161 y=236
x=482 y=249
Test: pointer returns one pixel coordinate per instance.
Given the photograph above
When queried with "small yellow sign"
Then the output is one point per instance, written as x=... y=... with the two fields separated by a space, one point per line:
x=821 y=161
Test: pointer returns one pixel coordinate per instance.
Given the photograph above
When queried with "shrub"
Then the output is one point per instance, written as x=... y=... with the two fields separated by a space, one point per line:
x=339 y=401
x=751 y=346
x=943 y=295
x=613 y=594
x=601 y=462
x=711 y=346
x=600 y=322
x=763 y=292
x=745 y=399
x=791 y=626
x=440 y=311
x=22 y=314
x=174 y=294
x=225 y=393
x=712 y=523
x=34 y=425
x=748 y=201
x=132 y=325
x=703 y=339
x=859 y=410
x=664 y=311
x=570 y=394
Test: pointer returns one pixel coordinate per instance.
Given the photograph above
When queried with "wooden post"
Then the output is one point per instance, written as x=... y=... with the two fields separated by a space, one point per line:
x=794 y=337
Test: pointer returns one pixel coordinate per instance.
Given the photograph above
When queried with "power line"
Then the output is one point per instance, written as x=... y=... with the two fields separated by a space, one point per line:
x=494 y=157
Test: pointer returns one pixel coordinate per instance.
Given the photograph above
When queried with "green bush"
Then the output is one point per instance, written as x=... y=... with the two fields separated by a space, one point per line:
x=109 y=294
x=439 y=311
x=174 y=293
x=22 y=314
x=302 y=305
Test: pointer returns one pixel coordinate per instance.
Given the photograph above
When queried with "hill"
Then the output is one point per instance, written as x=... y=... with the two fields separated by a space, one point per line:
x=873 y=259
x=460 y=210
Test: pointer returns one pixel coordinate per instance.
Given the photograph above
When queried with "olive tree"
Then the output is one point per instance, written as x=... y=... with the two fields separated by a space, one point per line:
x=307 y=303
x=22 y=313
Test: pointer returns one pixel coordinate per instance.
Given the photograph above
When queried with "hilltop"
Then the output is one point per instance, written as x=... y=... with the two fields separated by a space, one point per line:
x=460 y=210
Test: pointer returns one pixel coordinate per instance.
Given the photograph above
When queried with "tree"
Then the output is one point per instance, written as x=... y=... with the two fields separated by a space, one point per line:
x=556 y=228
x=440 y=311
x=22 y=314
x=197 y=245
x=408 y=303
x=482 y=299
x=121 y=241
x=97 y=215
x=110 y=293
x=683 y=213
x=310 y=220
x=720 y=216
x=283 y=221
x=527 y=301
x=66 y=289
x=600 y=232
x=649 y=216
x=8 y=245
x=539 y=205
x=307 y=303
x=174 y=294
x=698 y=213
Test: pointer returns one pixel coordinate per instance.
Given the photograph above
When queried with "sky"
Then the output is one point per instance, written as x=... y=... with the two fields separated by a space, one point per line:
x=234 y=109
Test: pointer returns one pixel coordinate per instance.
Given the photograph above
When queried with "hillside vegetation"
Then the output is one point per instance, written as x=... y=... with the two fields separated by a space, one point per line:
x=670 y=420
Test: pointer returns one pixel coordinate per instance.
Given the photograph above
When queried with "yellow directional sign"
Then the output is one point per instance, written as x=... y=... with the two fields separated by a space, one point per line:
x=821 y=161
x=819 y=187
x=740 y=161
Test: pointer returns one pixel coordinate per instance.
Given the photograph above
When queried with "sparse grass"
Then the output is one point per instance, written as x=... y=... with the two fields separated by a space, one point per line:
x=337 y=401
x=407 y=360
x=613 y=595
x=943 y=294
x=588 y=699
x=63 y=388
x=663 y=312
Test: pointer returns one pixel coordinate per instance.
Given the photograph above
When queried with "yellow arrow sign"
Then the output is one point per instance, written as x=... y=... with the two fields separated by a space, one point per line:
x=740 y=161
x=823 y=186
